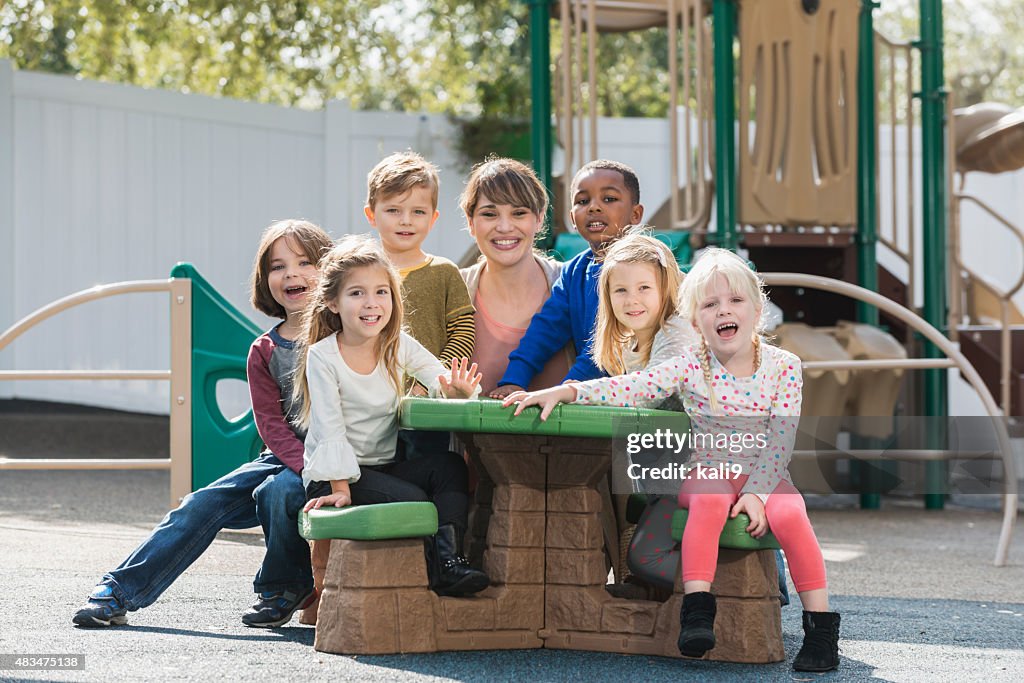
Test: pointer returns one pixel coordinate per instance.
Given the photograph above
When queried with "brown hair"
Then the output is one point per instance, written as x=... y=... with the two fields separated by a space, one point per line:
x=398 y=174
x=304 y=237
x=351 y=252
x=610 y=335
x=504 y=181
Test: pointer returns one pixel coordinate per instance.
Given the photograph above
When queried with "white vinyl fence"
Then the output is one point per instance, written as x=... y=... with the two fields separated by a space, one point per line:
x=102 y=183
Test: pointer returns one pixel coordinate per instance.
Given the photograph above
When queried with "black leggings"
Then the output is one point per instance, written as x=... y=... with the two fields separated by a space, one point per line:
x=441 y=479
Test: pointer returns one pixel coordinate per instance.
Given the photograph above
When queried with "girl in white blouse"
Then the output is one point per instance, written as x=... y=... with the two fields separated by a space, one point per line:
x=350 y=384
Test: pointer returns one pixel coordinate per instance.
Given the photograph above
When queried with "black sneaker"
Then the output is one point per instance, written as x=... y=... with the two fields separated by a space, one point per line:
x=102 y=609
x=276 y=609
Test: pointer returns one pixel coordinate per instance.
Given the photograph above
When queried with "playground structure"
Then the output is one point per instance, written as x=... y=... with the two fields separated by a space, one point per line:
x=793 y=173
x=814 y=196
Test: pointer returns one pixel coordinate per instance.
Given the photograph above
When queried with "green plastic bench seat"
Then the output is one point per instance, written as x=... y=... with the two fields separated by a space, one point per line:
x=486 y=416
x=734 y=535
x=370 y=522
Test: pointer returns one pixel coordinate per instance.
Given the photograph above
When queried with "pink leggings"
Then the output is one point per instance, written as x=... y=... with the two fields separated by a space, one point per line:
x=709 y=503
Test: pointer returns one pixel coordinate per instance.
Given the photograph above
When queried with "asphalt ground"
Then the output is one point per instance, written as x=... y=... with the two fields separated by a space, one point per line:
x=919 y=597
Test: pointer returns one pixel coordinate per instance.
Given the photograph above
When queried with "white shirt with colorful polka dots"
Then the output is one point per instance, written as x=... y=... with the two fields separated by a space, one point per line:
x=772 y=396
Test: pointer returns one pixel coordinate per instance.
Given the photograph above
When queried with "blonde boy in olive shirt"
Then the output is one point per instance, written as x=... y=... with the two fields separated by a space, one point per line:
x=401 y=204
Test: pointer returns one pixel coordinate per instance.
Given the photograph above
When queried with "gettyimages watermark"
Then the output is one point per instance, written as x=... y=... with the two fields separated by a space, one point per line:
x=841 y=454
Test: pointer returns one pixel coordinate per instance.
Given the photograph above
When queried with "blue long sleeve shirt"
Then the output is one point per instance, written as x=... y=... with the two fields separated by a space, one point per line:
x=568 y=314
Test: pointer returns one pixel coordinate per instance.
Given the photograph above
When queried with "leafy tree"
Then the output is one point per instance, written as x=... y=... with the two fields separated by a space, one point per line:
x=463 y=57
x=983 y=45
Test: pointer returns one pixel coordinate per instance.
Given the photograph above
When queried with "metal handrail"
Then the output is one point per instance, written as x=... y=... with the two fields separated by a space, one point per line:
x=179 y=464
x=81 y=297
x=952 y=352
x=1004 y=295
x=907 y=255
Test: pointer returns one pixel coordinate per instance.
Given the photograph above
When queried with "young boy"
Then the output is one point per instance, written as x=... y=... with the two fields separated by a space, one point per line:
x=605 y=200
x=401 y=204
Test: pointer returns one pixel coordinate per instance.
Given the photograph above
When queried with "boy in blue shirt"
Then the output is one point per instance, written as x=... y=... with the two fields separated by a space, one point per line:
x=605 y=200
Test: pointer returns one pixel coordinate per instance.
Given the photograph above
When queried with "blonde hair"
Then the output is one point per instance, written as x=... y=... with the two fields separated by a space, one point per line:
x=351 y=252
x=303 y=237
x=398 y=174
x=611 y=337
x=740 y=278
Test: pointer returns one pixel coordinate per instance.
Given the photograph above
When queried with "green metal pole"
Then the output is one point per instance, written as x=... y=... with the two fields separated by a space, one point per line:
x=724 y=28
x=933 y=167
x=867 y=200
x=540 y=104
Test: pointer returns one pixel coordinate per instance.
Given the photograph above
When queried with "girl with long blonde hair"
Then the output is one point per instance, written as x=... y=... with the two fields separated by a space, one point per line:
x=638 y=299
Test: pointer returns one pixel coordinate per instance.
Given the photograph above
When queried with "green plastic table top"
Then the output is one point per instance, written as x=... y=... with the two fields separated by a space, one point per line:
x=486 y=416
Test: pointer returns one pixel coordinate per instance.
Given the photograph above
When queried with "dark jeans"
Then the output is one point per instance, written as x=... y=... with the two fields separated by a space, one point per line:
x=414 y=443
x=441 y=479
x=261 y=493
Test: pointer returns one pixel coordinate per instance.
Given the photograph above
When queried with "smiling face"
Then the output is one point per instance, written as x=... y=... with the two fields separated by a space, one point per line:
x=404 y=221
x=727 y=319
x=364 y=303
x=504 y=233
x=602 y=206
x=290 y=275
x=635 y=296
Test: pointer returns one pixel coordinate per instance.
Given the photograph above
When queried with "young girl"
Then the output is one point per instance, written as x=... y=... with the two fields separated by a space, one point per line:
x=350 y=384
x=267 y=492
x=638 y=301
x=730 y=374
x=639 y=326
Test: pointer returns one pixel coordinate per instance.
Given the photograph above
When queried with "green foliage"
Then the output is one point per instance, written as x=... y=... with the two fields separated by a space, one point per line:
x=983 y=45
x=467 y=58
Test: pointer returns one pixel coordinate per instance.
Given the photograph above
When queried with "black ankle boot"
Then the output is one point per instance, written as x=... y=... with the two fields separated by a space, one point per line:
x=697 y=622
x=449 y=572
x=820 y=651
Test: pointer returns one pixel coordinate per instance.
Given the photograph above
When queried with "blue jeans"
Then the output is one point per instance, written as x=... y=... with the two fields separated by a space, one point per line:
x=260 y=493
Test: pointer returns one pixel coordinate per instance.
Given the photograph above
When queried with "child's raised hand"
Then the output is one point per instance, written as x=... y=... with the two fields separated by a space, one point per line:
x=339 y=500
x=547 y=399
x=464 y=380
x=752 y=505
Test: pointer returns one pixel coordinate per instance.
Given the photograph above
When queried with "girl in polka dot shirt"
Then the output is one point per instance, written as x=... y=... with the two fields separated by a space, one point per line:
x=732 y=385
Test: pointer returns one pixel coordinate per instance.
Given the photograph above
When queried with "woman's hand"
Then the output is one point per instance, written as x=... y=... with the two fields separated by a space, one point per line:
x=504 y=390
x=464 y=380
x=338 y=499
x=547 y=399
x=752 y=505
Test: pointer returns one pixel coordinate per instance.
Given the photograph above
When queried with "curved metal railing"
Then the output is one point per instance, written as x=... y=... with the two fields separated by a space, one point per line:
x=179 y=375
x=954 y=359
